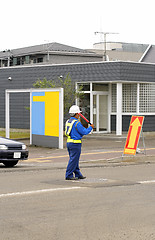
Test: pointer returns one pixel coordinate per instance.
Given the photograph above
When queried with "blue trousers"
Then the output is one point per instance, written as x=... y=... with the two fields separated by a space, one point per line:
x=74 y=150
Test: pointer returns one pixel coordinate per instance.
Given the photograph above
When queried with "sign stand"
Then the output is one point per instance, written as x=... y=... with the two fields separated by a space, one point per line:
x=143 y=143
x=134 y=132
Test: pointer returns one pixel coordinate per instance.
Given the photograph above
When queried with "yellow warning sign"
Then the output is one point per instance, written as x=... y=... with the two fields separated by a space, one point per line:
x=134 y=131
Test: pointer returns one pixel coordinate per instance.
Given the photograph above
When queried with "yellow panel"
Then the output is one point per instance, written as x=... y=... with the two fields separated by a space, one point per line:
x=52 y=114
x=38 y=98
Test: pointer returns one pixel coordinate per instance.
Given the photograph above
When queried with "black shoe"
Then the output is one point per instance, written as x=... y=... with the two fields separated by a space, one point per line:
x=81 y=177
x=72 y=178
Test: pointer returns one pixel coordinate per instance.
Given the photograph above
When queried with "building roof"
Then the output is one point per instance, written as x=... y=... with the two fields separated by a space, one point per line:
x=149 y=55
x=122 y=46
x=53 y=47
x=116 y=71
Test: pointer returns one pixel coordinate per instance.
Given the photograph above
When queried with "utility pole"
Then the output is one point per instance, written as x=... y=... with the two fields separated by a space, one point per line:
x=48 y=45
x=105 y=34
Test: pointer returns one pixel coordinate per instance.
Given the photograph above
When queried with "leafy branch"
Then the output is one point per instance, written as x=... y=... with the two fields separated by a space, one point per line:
x=70 y=94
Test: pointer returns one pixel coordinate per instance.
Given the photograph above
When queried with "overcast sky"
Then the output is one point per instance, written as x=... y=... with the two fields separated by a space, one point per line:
x=73 y=22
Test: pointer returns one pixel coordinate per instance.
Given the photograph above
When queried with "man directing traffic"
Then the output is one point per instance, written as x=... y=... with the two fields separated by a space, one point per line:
x=74 y=131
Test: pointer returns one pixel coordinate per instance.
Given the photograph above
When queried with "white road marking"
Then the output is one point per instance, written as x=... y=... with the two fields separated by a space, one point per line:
x=148 y=181
x=13 y=194
x=37 y=191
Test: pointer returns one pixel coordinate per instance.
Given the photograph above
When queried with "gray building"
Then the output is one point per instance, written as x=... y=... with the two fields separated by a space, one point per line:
x=149 y=55
x=51 y=53
x=120 y=51
x=113 y=91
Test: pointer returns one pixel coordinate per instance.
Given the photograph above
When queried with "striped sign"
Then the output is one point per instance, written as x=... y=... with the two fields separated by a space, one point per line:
x=134 y=131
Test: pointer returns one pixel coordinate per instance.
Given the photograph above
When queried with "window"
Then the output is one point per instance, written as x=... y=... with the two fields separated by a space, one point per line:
x=39 y=60
x=14 y=61
x=84 y=104
x=100 y=87
x=27 y=59
x=18 y=61
x=146 y=98
x=84 y=86
x=22 y=59
x=129 y=98
x=113 y=100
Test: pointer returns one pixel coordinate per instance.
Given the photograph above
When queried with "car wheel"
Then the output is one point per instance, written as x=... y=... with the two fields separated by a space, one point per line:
x=10 y=163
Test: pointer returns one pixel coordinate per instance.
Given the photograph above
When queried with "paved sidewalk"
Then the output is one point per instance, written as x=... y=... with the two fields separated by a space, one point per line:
x=97 y=149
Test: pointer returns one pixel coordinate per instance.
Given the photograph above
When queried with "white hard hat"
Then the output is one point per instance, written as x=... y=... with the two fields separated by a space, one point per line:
x=74 y=109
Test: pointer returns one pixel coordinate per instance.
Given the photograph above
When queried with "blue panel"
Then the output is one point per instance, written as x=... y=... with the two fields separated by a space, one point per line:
x=38 y=94
x=38 y=115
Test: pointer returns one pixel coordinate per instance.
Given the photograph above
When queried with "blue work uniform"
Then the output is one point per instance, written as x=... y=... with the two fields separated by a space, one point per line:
x=74 y=131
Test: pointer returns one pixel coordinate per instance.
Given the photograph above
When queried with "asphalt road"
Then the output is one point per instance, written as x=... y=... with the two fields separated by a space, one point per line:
x=115 y=201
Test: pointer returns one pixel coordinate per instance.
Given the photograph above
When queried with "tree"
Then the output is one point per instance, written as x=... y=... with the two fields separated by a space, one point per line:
x=70 y=94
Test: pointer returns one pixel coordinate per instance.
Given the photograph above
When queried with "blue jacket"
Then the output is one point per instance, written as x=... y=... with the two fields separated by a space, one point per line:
x=78 y=131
